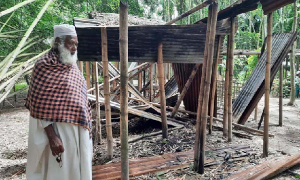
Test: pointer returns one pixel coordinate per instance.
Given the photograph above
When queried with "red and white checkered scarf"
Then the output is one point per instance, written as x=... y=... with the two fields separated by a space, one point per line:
x=58 y=92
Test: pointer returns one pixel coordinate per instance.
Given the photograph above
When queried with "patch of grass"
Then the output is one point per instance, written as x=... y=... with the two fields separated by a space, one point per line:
x=20 y=86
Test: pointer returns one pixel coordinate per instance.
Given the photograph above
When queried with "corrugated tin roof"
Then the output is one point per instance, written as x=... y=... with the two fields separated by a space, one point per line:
x=181 y=43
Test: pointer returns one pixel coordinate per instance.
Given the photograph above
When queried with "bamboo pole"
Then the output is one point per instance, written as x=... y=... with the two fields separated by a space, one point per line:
x=214 y=85
x=162 y=96
x=123 y=45
x=267 y=87
x=117 y=77
x=88 y=74
x=7 y=11
x=81 y=66
x=256 y=107
x=2 y=27
x=280 y=94
x=204 y=112
x=230 y=59
x=115 y=82
x=98 y=119
x=226 y=88
x=109 y=136
x=14 y=79
x=140 y=79
x=197 y=162
x=200 y=6
x=151 y=82
x=25 y=37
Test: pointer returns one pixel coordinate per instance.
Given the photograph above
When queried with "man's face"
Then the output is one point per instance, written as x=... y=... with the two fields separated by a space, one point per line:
x=71 y=43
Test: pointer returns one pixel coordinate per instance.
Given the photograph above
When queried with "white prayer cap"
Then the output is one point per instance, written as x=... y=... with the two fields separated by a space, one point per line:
x=64 y=30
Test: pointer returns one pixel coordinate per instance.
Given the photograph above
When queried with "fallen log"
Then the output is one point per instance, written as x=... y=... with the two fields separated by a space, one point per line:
x=267 y=169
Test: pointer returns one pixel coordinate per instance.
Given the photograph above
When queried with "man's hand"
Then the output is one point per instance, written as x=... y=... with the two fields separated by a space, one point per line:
x=55 y=142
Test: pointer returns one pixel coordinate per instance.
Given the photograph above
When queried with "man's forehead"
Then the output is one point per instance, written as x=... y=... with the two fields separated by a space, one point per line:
x=71 y=38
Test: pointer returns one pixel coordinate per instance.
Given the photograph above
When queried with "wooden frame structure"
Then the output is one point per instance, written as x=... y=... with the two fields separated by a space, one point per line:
x=161 y=52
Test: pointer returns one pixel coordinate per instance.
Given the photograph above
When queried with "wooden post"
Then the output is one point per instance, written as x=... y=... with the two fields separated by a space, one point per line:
x=98 y=119
x=140 y=80
x=230 y=59
x=123 y=46
x=226 y=88
x=202 y=111
x=162 y=96
x=214 y=85
x=280 y=94
x=256 y=107
x=151 y=82
x=115 y=82
x=106 y=88
x=267 y=86
x=81 y=66
x=88 y=74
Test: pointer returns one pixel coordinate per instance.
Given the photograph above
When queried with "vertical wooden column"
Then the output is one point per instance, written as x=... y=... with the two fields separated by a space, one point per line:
x=81 y=66
x=226 y=88
x=214 y=85
x=267 y=86
x=280 y=94
x=140 y=79
x=202 y=111
x=98 y=119
x=123 y=48
x=115 y=82
x=106 y=87
x=162 y=94
x=88 y=74
x=230 y=59
x=256 y=107
x=151 y=82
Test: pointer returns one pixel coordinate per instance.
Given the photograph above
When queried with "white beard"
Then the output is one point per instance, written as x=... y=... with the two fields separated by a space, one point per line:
x=66 y=56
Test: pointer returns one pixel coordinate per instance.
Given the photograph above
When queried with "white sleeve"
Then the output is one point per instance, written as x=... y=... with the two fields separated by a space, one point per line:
x=46 y=123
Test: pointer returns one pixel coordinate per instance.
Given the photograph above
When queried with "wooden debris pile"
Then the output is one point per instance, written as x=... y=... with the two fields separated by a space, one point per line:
x=216 y=157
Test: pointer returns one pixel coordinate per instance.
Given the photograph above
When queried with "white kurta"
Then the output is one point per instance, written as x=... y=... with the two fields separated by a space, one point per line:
x=76 y=159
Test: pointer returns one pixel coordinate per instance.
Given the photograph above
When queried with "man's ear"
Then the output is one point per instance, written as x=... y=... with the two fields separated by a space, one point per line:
x=57 y=40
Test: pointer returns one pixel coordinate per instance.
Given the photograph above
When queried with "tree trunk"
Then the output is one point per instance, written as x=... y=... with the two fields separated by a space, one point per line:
x=292 y=64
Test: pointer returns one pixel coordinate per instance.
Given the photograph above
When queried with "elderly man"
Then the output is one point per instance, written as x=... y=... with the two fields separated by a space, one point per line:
x=59 y=143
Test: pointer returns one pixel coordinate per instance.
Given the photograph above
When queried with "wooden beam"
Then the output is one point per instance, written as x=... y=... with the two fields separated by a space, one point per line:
x=204 y=112
x=160 y=67
x=117 y=77
x=88 y=74
x=151 y=82
x=280 y=94
x=267 y=86
x=205 y=87
x=81 y=66
x=230 y=61
x=226 y=88
x=109 y=136
x=139 y=79
x=98 y=119
x=214 y=85
x=243 y=52
x=123 y=48
x=267 y=169
x=200 y=6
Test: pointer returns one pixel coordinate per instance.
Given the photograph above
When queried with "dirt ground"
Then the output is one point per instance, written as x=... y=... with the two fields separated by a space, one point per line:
x=14 y=133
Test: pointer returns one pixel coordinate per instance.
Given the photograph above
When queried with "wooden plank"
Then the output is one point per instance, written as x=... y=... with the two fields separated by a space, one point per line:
x=267 y=169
